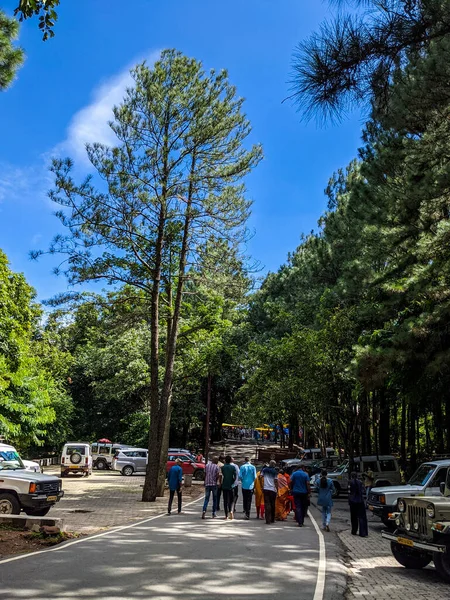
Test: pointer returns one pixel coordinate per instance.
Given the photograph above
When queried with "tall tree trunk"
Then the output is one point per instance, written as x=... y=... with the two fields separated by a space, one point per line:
x=403 y=434
x=438 y=420
x=412 y=448
x=208 y=416
x=385 y=423
x=150 y=490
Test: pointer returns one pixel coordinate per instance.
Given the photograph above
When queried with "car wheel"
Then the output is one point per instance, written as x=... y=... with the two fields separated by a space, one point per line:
x=199 y=474
x=127 y=471
x=40 y=512
x=101 y=465
x=9 y=505
x=337 y=490
x=409 y=558
x=442 y=564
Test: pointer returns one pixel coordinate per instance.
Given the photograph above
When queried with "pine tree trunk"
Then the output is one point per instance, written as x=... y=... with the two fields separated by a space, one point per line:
x=403 y=434
x=385 y=423
x=438 y=419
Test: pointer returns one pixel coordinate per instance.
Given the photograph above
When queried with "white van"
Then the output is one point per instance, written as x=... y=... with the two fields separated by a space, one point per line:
x=76 y=457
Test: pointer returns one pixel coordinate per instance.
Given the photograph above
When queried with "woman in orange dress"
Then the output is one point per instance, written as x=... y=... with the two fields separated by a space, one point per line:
x=259 y=496
x=282 y=504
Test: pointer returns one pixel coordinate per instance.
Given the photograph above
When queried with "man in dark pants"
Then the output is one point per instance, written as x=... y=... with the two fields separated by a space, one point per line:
x=219 y=489
x=175 y=479
x=247 y=475
x=228 y=478
x=270 y=491
x=301 y=491
x=358 y=516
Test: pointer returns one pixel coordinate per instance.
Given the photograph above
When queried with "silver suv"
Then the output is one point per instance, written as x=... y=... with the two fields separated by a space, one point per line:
x=130 y=460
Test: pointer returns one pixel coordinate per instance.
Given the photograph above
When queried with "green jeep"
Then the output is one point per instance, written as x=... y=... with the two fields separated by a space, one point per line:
x=422 y=531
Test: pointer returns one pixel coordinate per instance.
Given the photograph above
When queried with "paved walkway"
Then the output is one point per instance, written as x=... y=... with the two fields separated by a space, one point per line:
x=181 y=556
x=108 y=499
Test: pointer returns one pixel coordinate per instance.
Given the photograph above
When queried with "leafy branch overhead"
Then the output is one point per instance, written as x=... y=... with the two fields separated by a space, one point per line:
x=44 y=9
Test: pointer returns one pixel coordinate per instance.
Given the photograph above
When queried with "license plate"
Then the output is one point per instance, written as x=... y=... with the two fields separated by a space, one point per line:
x=72 y=467
x=370 y=507
x=405 y=542
x=52 y=498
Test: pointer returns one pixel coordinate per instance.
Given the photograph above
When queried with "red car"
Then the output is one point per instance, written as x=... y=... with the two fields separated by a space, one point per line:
x=189 y=466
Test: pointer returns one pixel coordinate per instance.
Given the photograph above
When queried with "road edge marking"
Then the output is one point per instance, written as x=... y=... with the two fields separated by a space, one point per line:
x=65 y=545
x=321 y=571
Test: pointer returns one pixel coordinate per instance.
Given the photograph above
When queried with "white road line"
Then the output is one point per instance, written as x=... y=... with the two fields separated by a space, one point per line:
x=88 y=539
x=320 y=584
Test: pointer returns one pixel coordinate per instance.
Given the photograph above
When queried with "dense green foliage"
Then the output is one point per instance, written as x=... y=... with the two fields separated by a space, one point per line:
x=352 y=334
x=34 y=406
x=11 y=57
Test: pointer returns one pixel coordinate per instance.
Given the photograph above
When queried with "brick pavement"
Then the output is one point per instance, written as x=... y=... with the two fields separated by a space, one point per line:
x=374 y=573
x=107 y=499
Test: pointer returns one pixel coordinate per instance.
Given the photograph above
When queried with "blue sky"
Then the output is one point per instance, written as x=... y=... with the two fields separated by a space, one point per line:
x=64 y=93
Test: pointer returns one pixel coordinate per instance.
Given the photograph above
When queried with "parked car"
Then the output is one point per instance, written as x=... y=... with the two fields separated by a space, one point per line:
x=189 y=464
x=426 y=481
x=76 y=457
x=385 y=469
x=134 y=460
x=130 y=460
x=103 y=454
x=30 y=465
x=422 y=530
x=22 y=490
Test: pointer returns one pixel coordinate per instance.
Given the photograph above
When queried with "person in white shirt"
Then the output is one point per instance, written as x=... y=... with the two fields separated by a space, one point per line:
x=235 y=486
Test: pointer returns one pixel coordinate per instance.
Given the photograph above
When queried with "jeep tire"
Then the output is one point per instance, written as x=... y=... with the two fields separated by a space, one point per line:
x=101 y=464
x=408 y=558
x=9 y=504
x=75 y=458
x=442 y=564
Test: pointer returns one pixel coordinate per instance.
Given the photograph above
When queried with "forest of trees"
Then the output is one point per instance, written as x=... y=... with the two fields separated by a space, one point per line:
x=349 y=340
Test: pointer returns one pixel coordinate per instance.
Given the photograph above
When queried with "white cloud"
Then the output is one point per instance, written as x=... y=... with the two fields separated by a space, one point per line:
x=90 y=124
x=20 y=184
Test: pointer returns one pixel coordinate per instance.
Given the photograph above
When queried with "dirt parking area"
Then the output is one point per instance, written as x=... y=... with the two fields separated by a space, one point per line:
x=107 y=499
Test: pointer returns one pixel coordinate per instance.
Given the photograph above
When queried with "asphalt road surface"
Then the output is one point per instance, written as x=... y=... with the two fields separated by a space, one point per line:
x=183 y=557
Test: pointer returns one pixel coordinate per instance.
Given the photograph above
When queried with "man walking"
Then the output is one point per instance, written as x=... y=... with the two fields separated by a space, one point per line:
x=228 y=478
x=235 y=486
x=301 y=491
x=175 y=479
x=219 y=490
x=247 y=476
x=212 y=476
x=358 y=514
x=270 y=491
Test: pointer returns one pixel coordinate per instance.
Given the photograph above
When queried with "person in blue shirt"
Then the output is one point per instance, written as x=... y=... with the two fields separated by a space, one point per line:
x=325 y=488
x=174 y=479
x=247 y=476
x=301 y=490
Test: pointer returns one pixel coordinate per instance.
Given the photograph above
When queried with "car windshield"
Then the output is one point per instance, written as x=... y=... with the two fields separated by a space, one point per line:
x=422 y=475
x=10 y=460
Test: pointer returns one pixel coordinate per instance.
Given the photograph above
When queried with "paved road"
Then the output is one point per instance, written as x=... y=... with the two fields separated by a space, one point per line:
x=179 y=557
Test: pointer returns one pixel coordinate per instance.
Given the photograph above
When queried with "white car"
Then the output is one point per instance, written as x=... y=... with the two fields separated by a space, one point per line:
x=32 y=466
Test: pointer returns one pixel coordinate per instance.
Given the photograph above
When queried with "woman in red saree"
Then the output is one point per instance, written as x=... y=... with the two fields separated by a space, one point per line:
x=282 y=504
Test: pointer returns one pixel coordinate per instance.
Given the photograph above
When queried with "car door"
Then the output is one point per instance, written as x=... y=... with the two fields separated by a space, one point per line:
x=187 y=466
x=434 y=487
x=141 y=460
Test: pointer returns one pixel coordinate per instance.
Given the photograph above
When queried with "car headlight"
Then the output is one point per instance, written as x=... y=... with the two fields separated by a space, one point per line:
x=408 y=526
x=416 y=526
x=430 y=511
x=401 y=506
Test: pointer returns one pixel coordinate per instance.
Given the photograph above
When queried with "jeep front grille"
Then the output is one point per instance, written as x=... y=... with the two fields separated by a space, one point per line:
x=50 y=487
x=417 y=514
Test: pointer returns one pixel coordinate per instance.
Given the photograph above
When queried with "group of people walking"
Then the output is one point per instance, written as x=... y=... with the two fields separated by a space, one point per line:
x=276 y=493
